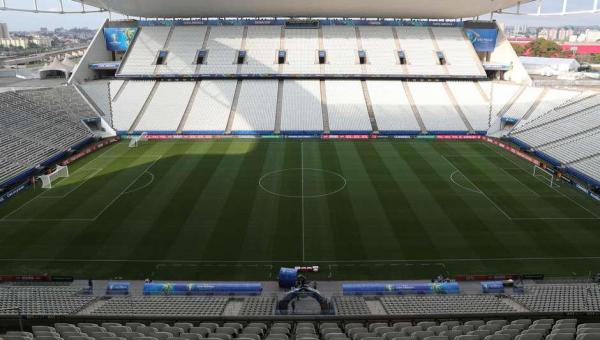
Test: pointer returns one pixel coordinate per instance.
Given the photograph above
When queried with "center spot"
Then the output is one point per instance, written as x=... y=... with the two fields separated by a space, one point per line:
x=302 y=183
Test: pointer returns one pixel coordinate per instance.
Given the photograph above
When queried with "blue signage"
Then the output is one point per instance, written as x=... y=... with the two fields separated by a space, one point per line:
x=118 y=39
x=483 y=39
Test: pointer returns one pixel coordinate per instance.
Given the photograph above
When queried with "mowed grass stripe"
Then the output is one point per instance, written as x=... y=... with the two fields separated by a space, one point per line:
x=319 y=237
x=344 y=220
x=227 y=237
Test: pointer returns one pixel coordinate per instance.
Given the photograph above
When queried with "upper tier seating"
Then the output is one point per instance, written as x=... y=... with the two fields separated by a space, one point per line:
x=263 y=43
x=523 y=103
x=460 y=55
x=223 y=45
x=98 y=92
x=589 y=166
x=32 y=131
x=551 y=99
x=183 y=48
x=142 y=58
x=561 y=298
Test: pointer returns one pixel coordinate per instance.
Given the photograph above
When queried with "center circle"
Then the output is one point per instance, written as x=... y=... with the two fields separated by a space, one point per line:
x=302 y=183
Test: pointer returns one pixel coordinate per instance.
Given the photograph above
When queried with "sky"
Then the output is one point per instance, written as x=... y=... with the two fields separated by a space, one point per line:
x=29 y=21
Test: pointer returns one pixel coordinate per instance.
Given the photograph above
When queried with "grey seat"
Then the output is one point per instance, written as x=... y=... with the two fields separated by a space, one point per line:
x=399 y=325
x=588 y=336
x=561 y=336
x=426 y=324
x=380 y=331
x=393 y=335
x=437 y=337
x=374 y=325
x=564 y=331
x=531 y=336
x=450 y=324
x=498 y=337
x=475 y=323
x=131 y=335
x=159 y=325
x=43 y=337
x=221 y=336
x=525 y=322
x=512 y=333
x=437 y=329
x=162 y=335
x=467 y=337
x=175 y=331
x=203 y=331
x=464 y=328
x=588 y=330
x=145 y=338
x=451 y=334
x=421 y=335
x=210 y=325
x=146 y=330
x=184 y=325
x=134 y=325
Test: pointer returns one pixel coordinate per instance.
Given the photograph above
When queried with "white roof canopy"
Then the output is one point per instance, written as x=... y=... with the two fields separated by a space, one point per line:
x=421 y=9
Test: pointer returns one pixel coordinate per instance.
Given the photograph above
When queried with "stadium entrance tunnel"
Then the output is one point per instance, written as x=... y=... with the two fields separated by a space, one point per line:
x=303 y=293
x=302 y=183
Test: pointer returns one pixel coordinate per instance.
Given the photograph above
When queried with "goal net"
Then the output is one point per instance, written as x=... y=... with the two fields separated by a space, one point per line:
x=59 y=172
x=135 y=140
x=545 y=174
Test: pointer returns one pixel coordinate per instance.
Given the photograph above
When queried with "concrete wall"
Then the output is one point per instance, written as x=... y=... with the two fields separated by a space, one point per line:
x=505 y=54
x=95 y=53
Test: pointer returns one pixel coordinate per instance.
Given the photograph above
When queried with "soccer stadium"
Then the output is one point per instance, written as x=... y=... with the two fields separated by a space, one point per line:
x=299 y=170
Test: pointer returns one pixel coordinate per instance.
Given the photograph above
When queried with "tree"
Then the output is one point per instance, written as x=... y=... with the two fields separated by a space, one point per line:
x=519 y=49
x=545 y=48
x=595 y=58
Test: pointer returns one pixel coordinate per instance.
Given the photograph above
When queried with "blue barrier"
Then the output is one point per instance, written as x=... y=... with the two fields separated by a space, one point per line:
x=494 y=287
x=288 y=277
x=117 y=288
x=400 y=288
x=165 y=288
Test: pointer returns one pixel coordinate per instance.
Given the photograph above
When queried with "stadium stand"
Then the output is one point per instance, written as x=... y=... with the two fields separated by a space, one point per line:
x=301 y=46
x=561 y=298
x=258 y=306
x=473 y=105
x=142 y=58
x=350 y=305
x=222 y=47
x=166 y=108
x=183 y=48
x=44 y=301
x=413 y=305
x=394 y=114
x=420 y=51
x=460 y=56
x=341 y=44
x=381 y=48
x=435 y=108
x=129 y=102
x=262 y=45
x=98 y=93
x=211 y=107
x=34 y=131
x=561 y=123
x=162 y=306
x=574 y=149
x=551 y=99
x=474 y=329
x=301 y=107
x=346 y=107
x=589 y=167
x=502 y=95
x=256 y=107
x=523 y=103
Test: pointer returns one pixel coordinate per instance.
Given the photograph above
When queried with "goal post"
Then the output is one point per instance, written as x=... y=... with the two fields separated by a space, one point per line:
x=59 y=172
x=545 y=174
x=135 y=140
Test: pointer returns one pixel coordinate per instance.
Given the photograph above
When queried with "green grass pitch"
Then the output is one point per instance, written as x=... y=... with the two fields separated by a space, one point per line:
x=240 y=209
